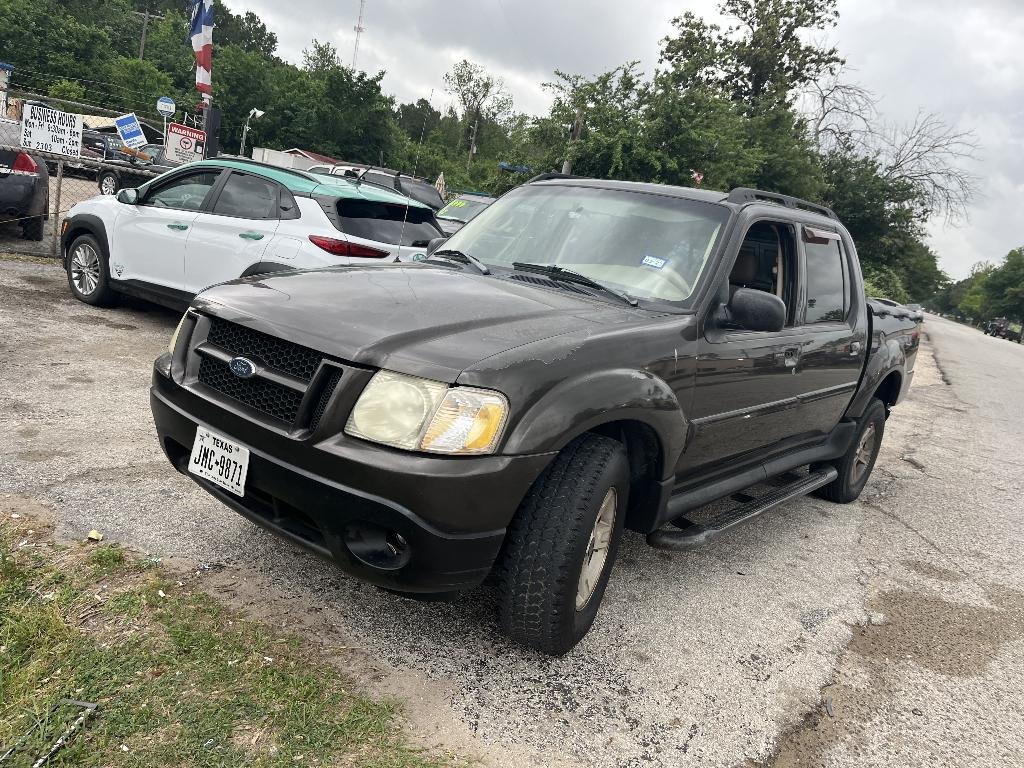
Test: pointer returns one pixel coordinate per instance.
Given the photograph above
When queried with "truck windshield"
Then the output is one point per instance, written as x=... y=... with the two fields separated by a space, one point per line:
x=646 y=245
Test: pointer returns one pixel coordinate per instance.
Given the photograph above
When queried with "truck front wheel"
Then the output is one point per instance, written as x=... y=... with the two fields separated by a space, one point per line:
x=855 y=465
x=561 y=545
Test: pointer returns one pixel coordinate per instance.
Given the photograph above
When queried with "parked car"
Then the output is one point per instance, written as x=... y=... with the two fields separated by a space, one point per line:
x=459 y=211
x=217 y=220
x=894 y=307
x=97 y=145
x=1003 y=328
x=586 y=356
x=410 y=186
x=132 y=172
x=24 y=191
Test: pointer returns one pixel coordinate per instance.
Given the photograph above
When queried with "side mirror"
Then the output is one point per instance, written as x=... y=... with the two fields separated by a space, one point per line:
x=129 y=196
x=435 y=243
x=754 y=310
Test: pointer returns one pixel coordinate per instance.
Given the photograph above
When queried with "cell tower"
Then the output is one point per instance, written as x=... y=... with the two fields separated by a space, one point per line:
x=359 y=28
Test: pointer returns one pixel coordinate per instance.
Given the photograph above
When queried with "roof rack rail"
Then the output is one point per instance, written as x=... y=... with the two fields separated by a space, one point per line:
x=554 y=175
x=749 y=195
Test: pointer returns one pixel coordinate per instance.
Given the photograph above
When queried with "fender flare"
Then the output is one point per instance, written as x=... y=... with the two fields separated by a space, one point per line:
x=889 y=358
x=82 y=224
x=580 y=404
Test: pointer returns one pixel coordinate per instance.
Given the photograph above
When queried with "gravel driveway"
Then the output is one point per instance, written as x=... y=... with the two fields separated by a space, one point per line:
x=886 y=632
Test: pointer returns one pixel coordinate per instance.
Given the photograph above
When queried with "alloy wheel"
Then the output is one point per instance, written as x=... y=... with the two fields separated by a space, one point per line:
x=85 y=269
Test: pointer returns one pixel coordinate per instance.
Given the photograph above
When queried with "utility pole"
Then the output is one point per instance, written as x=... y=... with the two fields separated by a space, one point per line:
x=359 y=28
x=146 y=16
x=574 y=135
x=472 y=143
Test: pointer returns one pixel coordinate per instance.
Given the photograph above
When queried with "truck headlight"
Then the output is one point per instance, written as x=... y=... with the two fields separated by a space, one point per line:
x=420 y=414
x=174 y=336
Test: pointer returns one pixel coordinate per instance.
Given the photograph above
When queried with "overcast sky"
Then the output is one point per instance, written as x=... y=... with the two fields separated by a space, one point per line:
x=962 y=60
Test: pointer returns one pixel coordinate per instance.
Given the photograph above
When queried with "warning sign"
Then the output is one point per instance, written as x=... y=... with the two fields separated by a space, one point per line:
x=184 y=144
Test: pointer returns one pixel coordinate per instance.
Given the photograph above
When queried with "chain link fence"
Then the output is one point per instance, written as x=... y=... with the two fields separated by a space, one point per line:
x=34 y=201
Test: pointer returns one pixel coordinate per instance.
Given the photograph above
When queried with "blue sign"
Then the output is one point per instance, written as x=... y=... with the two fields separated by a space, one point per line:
x=130 y=131
x=165 y=106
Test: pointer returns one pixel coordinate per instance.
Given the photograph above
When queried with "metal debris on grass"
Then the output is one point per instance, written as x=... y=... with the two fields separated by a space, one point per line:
x=86 y=707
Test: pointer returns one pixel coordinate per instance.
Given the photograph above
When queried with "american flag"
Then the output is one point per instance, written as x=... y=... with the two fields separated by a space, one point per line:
x=202 y=43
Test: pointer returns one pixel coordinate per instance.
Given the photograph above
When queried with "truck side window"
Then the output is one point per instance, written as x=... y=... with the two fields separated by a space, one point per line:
x=767 y=262
x=826 y=279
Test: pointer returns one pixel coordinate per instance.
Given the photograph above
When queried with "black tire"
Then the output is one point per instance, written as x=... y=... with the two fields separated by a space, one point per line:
x=550 y=540
x=107 y=181
x=32 y=229
x=855 y=467
x=101 y=294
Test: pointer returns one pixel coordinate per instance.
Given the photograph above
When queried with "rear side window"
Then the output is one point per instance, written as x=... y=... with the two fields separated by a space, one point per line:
x=826 y=282
x=247 y=197
x=380 y=179
x=387 y=222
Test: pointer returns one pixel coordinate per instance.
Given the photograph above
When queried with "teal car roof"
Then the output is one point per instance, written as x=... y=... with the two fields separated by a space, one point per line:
x=307 y=183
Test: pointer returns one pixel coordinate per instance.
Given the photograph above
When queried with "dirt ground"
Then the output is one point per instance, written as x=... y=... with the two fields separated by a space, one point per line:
x=885 y=632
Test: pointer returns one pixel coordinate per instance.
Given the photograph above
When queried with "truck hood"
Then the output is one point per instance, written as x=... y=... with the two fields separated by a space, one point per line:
x=420 y=319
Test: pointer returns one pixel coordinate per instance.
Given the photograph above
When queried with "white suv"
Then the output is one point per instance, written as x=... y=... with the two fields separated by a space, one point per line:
x=217 y=220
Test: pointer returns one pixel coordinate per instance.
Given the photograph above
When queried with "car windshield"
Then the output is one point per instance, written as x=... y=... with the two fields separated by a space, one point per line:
x=462 y=210
x=647 y=245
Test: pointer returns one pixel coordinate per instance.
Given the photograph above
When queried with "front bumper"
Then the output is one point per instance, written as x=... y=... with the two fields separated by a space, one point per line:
x=341 y=497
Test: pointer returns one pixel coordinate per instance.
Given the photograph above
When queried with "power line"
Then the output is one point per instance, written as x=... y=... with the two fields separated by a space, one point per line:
x=45 y=76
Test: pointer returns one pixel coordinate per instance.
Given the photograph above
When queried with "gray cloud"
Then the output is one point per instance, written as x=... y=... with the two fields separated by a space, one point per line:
x=961 y=60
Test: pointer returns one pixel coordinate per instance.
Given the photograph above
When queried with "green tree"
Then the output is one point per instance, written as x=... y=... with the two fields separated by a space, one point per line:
x=764 y=58
x=1003 y=288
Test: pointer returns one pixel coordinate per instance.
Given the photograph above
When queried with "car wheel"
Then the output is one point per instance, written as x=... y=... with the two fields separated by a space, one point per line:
x=108 y=183
x=855 y=466
x=88 y=274
x=561 y=546
x=32 y=229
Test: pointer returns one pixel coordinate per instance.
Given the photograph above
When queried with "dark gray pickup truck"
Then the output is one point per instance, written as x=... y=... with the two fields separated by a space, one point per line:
x=583 y=357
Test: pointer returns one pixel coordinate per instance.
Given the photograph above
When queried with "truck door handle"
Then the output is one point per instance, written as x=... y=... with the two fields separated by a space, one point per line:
x=854 y=348
x=251 y=235
x=790 y=357
x=177 y=226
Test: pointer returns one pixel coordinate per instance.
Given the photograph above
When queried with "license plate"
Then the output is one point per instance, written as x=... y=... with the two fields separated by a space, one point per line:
x=219 y=460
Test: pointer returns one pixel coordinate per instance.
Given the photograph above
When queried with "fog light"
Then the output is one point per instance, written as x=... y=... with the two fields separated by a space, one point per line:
x=377 y=547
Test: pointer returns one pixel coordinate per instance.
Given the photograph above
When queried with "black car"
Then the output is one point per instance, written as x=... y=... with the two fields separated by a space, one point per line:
x=588 y=356
x=97 y=145
x=132 y=172
x=24 y=191
x=418 y=189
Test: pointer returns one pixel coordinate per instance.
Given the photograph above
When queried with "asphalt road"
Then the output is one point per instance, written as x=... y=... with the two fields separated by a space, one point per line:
x=885 y=632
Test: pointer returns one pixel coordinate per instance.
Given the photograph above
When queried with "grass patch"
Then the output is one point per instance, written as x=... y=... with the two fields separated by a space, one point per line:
x=180 y=680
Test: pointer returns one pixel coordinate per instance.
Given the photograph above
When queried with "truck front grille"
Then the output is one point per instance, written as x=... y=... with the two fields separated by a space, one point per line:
x=298 y=398
x=287 y=357
x=262 y=395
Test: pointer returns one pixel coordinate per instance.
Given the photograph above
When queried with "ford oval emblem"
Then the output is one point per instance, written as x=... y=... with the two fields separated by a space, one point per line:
x=242 y=367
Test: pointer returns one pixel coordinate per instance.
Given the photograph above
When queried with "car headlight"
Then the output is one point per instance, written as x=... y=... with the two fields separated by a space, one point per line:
x=420 y=414
x=174 y=336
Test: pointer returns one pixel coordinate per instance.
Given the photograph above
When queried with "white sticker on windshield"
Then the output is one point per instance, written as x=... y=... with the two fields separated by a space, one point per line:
x=654 y=261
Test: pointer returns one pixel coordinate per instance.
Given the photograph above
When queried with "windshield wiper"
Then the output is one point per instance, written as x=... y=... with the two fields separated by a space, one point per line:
x=462 y=258
x=556 y=272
